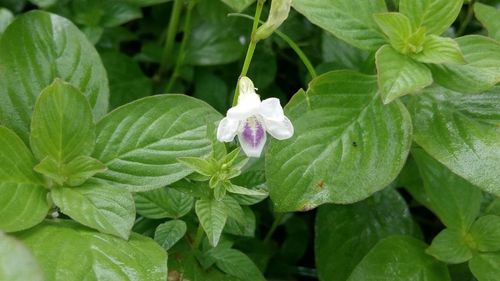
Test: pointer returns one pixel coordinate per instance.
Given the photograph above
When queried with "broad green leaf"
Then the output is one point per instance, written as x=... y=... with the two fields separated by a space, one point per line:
x=397 y=28
x=238 y=5
x=461 y=131
x=481 y=72
x=486 y=233
x=342 y=133
x=169 y=233
x=127 y=82
x=16 y=261
x=236 y=263
x=23 y=200
x=245 y=226
x=50 y=47
x=84 y=254
x=6 y=17
x=162 y=203
x=450 y=246
x=105 y=208
x=141 y=141
x=62 y=126
x=454 y=200
x=486 y=266
x=435 y=15
x=349 y=20
x=399 y=258
x=345 y=233
x=399 y=75
x=212 y=215
x=490 y=18
x=439 y=50
x=109 y=13
x=75 y=173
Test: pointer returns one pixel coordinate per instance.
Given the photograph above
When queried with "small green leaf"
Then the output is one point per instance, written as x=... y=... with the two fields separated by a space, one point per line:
x=490 y=18
x=486 y=266
x=219 y=191
x=399 y=75
x=399 y=258
x=397 y=28
x=212 y=215
x=450 y=246
x=439 y=50
x=16 y=261
x=106 y=208
x=237 y=264
x=486 y=233
x=245 y=191
x=75 y=173
x=23 y=198
x=168 y=233
x=199 y=165
x=435 y=15
x=162 y=203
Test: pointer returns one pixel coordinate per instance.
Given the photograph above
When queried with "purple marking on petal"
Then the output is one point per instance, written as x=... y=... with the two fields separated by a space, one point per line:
x=253 y=132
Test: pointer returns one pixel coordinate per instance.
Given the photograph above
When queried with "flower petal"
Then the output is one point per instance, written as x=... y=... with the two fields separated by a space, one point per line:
x=271 y=109
x=227 y=130
x=253 y=137
x=280 y=130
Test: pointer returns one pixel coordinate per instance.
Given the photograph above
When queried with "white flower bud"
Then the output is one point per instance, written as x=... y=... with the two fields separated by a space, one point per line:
x=278 y=14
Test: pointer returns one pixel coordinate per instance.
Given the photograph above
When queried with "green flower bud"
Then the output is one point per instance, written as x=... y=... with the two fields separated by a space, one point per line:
x=278 y=14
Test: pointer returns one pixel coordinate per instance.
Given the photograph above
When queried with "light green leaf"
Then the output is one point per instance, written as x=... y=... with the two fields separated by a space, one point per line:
x=76 y=172
x=168 y=233
x=439 y=50
x=399 y=75
x=399 y=258
x=212 y=215
x=16 y=261
x=105 y=208
x=486 y=233
x=245 y=191
x=6 y=17
x=490 y=18
x=62 y=126
x=199 y=165
x=23 y=200
x=342 y=133
x=141 y=141
x=56 y=48
x=450 y=246
x=461 y=131
x=349 y=20
x=486 y=266
x=236 y=263
x=163 y=203
x=93 y=256
x=397 y=28
x=345 y=233
x=454 y=200
x=435 y=15
x=482 y=71
x=238 y=5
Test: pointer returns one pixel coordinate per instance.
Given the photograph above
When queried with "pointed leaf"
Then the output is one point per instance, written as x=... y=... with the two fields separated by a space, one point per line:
x=236 y=263
x=397 y=28
x=168 y=233
x=490 y=18
x=450 y=246
x=163 y=203
x=245 y=226
x=16 y=261
x=435 y=15
x=486 y=266
x=245 y=191
x=212 y=215
x=486 y=233
x=439 y=50
x=74 y=173
x=199 y=165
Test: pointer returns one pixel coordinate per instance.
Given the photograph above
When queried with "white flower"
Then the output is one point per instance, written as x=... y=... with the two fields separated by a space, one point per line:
x=251 y=118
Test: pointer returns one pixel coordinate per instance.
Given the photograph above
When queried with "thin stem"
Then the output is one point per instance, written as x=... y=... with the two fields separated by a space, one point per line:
x=171 y=32
x=197 y=238
x=276 y=223
x=468 y=18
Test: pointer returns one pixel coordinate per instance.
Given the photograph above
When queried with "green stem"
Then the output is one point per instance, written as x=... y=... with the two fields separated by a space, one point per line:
x=468 y=18
x=251 y=48
x=186 y=34
x=276 y=223
x=197 y=238
x=171 y=32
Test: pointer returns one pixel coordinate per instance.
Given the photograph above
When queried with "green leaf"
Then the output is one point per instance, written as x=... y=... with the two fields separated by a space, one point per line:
x=62 y=126
x=399 y=75
x=141 y=141
x=349 y=20
x=486 y=233
x=163 y=203
x=233 y=209
x=75 y=173
x=485 y=266
x=341 y=54
x=44 y=3
x=109 y=13
x=490 y=18
x=482 y=71
x=168 y=233
x=57 y=49
x=23 y=198
x=244 y=226
x=238 y=5
x=6 y=17
x=245 y=191
x=461 y=131
x=93 y=256
x=439 y=50
x=454 y=200
x=399 y=258
x=105 y=208
x=345 y=233
x=16 y=261
x=397 y=28
x=450 y=246
x=435 y=15
x=212 y=215
x=236 y=263
x=342 y=133
x=199 y=165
